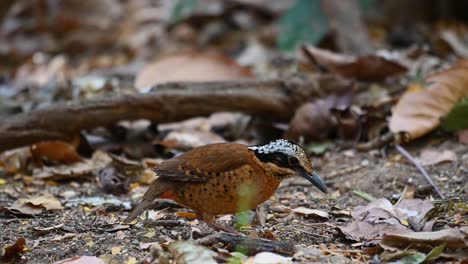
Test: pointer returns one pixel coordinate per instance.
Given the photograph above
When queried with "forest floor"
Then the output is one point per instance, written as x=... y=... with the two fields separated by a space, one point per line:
x=90 y=222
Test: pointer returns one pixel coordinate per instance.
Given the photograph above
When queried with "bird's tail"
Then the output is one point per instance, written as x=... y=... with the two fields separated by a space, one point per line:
x=154 y=191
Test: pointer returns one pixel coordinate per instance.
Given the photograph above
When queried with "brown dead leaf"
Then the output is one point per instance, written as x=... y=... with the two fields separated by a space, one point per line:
x=367 y=68
x=419 y=112
x=455 y=240
x=192 y=66
x=55 y=151
x=36 y=205
x=12 y=253
x=314 y=120
x=433 y=157
x=380 y=217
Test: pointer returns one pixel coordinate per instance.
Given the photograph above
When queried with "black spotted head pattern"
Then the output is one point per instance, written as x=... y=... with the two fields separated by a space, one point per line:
x=286 y=148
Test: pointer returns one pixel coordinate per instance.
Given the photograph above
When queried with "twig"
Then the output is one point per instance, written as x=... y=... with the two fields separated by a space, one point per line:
x=344 y=171
x=364 y=196
x=420 y=168
x=402 y=195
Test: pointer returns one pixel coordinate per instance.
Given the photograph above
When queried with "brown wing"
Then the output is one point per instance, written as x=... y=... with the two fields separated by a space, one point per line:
x=199 y=164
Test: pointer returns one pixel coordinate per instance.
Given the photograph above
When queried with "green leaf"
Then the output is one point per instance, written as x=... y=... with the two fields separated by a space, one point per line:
x=182 y=9
x=457 y=118
x=414 y=258
x=435 y=252
x=304 y=22
x=366 y=5
x=319 y=148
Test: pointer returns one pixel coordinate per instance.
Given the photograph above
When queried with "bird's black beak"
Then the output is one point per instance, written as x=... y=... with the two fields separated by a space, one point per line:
x=315 y=180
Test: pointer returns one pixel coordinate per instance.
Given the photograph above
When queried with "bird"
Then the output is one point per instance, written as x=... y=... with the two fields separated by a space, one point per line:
x=227 y=178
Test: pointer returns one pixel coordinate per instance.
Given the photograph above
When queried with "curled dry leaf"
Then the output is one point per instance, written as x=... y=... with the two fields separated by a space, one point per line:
x=419 y=111
x=192 y=66
x=36 y=205
x=366 y=68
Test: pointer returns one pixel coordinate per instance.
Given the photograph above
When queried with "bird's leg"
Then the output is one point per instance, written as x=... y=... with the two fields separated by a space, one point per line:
x=209 y=220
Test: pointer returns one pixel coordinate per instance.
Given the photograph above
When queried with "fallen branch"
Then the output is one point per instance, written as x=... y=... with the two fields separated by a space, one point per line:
x=271 y=99
x=247 y=245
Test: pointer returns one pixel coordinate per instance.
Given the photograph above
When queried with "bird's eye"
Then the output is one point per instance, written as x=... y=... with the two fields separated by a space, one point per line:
x=293 y=161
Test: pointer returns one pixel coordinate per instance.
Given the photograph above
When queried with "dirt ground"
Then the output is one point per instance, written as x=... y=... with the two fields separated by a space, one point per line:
x=84 y=229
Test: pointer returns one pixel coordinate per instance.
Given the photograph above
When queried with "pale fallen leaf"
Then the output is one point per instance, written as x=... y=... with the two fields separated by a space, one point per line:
x=433 y=157
x=451 y=38
x=150 y=234
x=36 y=205
x=419 y=111
x=99 y=161
x=185 y=252
x=120 y=235
x=268 y=258
x=192 y=66
x=310 y=212
x=131 y=260
x=148 y=245
x=455 y=240
x=188 y=139
x=82 y=260
x=97 y=201
x=116 y=250
x=15 y=160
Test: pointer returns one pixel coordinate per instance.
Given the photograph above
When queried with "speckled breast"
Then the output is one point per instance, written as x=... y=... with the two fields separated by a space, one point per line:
x=228 y=192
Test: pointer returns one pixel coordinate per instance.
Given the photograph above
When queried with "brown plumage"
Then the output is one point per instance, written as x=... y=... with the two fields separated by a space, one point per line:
x=226 y=178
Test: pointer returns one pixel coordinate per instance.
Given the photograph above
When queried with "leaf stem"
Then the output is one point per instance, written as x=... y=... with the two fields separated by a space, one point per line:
x=405 y=153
